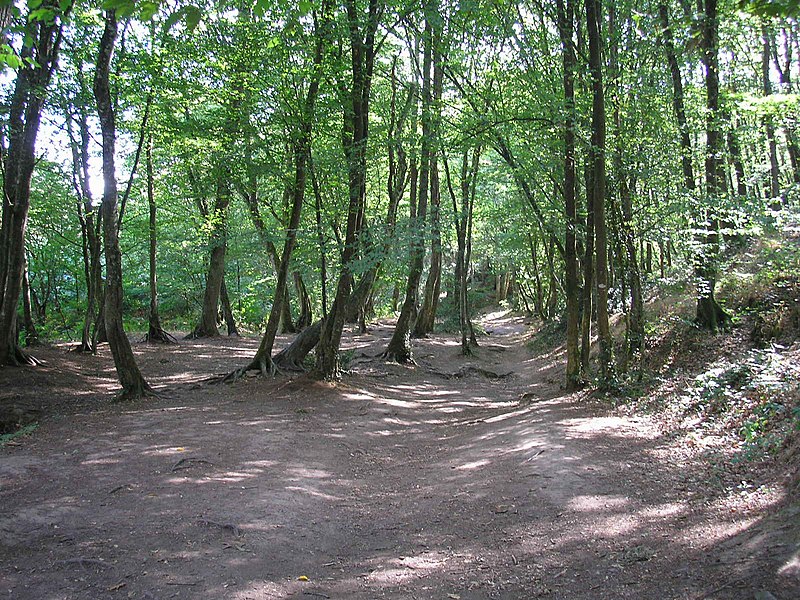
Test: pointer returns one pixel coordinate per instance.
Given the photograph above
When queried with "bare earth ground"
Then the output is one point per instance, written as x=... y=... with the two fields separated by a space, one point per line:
x=440 y=481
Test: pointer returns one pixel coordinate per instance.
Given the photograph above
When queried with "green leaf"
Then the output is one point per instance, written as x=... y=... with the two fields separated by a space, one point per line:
x=193 y=16
x=304 y=6
x=147 y=10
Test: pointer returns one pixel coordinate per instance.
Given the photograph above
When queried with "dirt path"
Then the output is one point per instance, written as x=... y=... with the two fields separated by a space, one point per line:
x=458 y=479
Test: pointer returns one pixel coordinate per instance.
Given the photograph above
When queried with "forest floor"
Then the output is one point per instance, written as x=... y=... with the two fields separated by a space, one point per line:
x=461 y=478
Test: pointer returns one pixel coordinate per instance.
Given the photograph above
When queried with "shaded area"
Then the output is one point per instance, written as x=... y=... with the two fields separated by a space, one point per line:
x=398 y=483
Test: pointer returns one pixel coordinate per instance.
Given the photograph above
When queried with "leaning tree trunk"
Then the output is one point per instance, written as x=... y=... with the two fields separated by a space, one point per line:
x=133 y=384
x=399 y=348
x=301 y=154
x=26 y=103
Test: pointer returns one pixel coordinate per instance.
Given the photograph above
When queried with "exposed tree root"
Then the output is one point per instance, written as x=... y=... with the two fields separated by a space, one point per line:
x=199 y=334
x=264 y=364
x=468 y=370
x=137 y=392
x=399 y=356
x=159 y=336
x=81 y=348
x=19 y=358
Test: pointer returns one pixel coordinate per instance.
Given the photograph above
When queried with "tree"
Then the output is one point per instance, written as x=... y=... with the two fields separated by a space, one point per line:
x=133 y=383
x=356 y=127
x=43 y=28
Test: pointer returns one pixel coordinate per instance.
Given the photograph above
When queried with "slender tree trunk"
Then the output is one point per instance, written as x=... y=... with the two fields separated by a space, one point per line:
x=31 y=335
x=772 y=144
x=587 y=296
x=565 y=29
x=426 y=318
x=133 y=384
x=323 y=261
x=362 y=47
x=677 y=98
x=90 y=222
x=305 y=318
x=218 y=242
x=710 y=314
x=462 y=215
x=597 y=156
x=155 y=333
x=227 y=310
x=399 y=348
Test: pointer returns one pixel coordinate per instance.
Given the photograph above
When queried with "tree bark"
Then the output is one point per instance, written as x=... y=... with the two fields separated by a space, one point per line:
x=155 y=333
x=565 y=28
x=133 y=384
x=709 y=314
x=27 y=101
x=207 y=325
x=399 y=348
x=597 y=156
x=362 y=50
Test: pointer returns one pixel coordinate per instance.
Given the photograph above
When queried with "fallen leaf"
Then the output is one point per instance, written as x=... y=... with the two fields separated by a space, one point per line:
x=302 y=578
x=454 y=596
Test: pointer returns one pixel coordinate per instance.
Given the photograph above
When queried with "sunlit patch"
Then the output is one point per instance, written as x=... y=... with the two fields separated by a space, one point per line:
x=791 y=568
x=710 y=534
x=597 y=503
x=602 y=425
x=670 y=509
x=405 y=568
x=310 y=473
x=473 y=465
x=312 y=492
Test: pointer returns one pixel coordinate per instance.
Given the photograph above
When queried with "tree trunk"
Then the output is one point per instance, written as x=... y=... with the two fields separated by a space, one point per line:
x=207 y=325
x=426 y=318
x=399 y=348
x=155 y=333
x=462 y=221
x=26 y=103
x=362 y=48
x=565 y=29
x=709 y=314
x=597 y=156
x=677 y=98
x=772 y=144
x=227 y=311
x=31 y=335
x=133 y=384
x=306 y=317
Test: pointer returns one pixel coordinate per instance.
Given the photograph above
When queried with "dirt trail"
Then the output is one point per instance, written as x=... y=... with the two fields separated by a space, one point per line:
x=458 y=479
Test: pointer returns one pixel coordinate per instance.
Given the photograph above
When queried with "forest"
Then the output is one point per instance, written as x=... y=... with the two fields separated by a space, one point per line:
x=274 y=267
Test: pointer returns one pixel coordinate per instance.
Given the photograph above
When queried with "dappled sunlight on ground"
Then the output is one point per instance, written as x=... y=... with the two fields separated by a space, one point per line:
x=400 y=482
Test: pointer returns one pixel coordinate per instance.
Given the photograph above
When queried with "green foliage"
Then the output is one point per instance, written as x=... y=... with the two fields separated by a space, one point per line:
x=21 y=432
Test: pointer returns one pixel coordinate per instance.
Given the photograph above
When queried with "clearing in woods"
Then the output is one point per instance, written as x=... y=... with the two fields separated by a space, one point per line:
x=458 y=479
